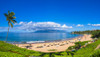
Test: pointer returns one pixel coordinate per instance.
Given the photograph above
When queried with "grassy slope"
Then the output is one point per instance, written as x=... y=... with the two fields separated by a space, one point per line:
x=88 y=51
x=8 y=50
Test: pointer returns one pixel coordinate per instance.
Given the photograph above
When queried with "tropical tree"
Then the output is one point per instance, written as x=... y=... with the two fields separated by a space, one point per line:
x=96 y=34
x=10 y=17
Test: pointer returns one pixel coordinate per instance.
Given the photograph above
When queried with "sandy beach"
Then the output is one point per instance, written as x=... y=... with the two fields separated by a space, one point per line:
x=55 y=46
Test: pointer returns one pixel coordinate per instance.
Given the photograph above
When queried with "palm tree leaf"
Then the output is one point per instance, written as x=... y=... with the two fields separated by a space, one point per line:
x=8 y=19
x=15 y=21
x=11 y=18
x=14 y=17
x=12 y=14
x=5 y=14
x=12 y=21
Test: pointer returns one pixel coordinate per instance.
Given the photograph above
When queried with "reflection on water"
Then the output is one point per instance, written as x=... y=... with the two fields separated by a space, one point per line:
x=36 y=36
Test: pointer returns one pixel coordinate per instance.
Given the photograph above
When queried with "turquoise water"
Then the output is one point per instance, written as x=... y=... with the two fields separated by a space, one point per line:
x=36 y=36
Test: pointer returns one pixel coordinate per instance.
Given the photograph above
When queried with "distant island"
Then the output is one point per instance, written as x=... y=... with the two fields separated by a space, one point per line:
x=50 y=31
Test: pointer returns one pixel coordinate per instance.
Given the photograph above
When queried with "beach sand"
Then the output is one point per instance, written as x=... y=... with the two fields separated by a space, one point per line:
x=55 y=46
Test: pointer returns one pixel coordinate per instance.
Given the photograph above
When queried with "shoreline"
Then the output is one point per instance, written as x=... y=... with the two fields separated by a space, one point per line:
x=57 y=46
x=47 y=41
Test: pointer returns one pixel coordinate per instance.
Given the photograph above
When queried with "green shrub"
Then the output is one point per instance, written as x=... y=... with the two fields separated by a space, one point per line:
x=12 y=49
x=52 y=50
x=88 y=50
x=96 y=53
x=77 y=44
x=96 y=34
x=9 y=54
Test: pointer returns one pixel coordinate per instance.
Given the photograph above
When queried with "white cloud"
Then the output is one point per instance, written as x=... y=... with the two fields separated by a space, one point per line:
x=80 y=25
x=64 y=26
x=20 y=23
x=94 y=24
x=89 y=24
x=32 y=26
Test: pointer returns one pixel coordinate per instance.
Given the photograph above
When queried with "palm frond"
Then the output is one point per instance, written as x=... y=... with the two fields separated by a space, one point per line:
x=8 y=19
x=15 y=21
x=5 y=14
x=11 y=25
x=12 y=14
x=12 y=17
x=12 y=21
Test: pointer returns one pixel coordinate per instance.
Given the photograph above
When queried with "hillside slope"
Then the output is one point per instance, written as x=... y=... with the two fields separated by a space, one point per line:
x=8 y=50
x=88 y=51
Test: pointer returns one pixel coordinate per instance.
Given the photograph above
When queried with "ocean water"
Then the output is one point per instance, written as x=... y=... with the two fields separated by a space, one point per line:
x=23 y=37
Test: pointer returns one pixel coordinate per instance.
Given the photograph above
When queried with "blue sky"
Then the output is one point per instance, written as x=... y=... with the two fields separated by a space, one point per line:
x=80 y=14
